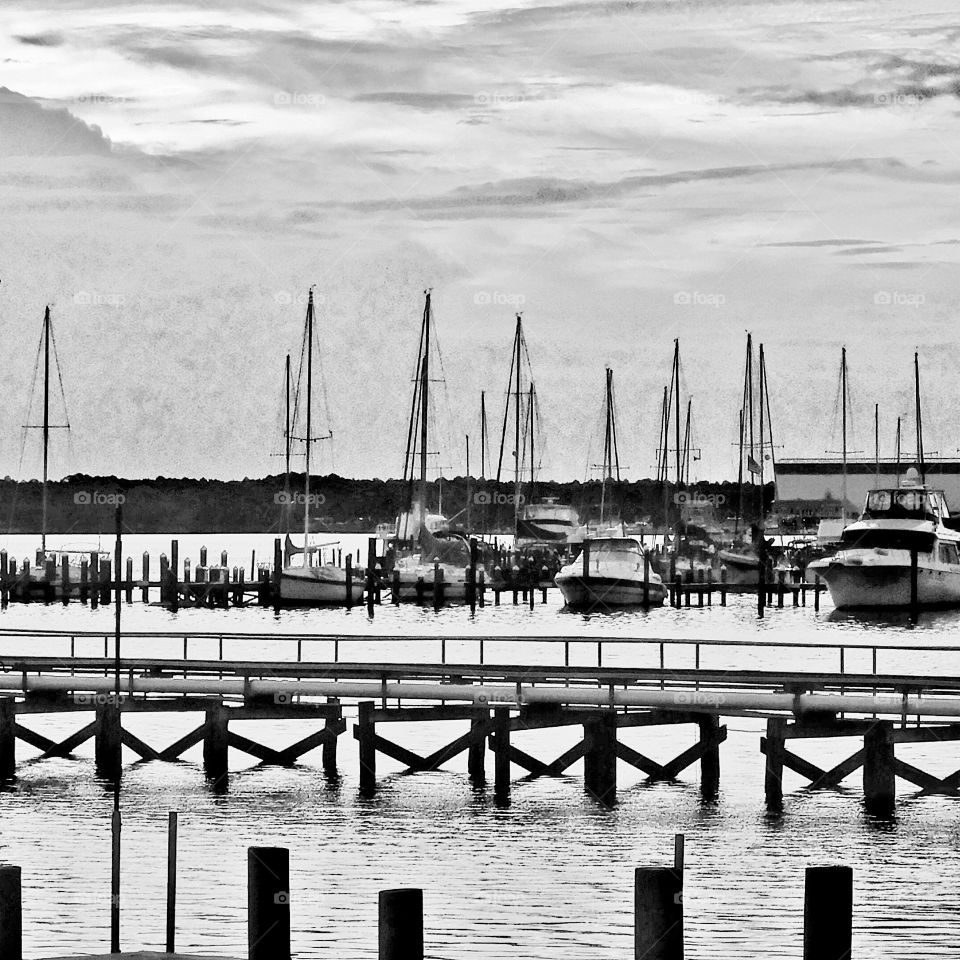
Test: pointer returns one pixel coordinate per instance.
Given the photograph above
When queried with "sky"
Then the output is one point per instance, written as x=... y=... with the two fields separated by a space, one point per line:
x=174 y=177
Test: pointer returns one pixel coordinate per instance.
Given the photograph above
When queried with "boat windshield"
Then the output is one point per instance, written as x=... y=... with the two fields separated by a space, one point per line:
x=918 y=540
x=610 y=549
x=903 y=504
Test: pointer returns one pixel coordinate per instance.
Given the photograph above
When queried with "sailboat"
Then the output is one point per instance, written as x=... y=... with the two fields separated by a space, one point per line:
x=436 y=551
x=312 y=582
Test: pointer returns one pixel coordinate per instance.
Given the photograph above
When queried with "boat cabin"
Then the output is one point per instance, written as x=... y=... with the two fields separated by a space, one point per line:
x=906 y=503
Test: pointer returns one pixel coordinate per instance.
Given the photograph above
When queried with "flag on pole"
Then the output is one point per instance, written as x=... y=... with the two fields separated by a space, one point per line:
x=752 y=465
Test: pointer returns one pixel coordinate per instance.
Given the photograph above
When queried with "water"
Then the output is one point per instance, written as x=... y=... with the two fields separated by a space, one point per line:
x=550 y=876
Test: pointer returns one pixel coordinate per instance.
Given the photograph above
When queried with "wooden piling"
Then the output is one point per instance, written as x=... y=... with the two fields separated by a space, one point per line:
x=600 y=758
x=215 y=737
x=420 y=589
x=481 y=588
x=914 y=588
x=107 y=742
x=723 y=585
x=11 y=913
x=395 y=587
x=370 y=585
x=145 y=578
x=268 y=903
x=4 y=578
x=437 y=585
x=171 y=882
x=366 y=734
x=223 y=558
x=827 y=913
x=477 y=751
x=8 y=739
x=203 y=556
x=816 y=593
x=658 y=914
x=84 y=579
x=400 y=933
x=128 y=586
x=773 y=746
x=328 y=752
x=94 y=580
x=278 y=564
x=173 y=595
x=49 y=576
x=472 y=575
x=65 y=578
x=501 y=765
x=349 y=573
x=106 y=580
x=709 y=725
x=879 y=779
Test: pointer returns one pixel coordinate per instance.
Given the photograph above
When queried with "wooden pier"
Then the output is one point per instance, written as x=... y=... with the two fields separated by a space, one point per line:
x=498 y=703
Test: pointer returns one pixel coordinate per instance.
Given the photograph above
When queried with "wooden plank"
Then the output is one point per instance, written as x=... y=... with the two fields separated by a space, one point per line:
x=439 y=757
x=834 y=776
x=937 y=734
x=393 y=750
x=568 y=758
x=66 y=747
x=803 y=767
x=948 y=784
x=176 y=749
x=926 y=781
x=531 y=764
x=253 y=748
x=293 y=753
x=416 y=714
x=131 y=740
x=650 y=767
x=692 y=754
x=37 y=740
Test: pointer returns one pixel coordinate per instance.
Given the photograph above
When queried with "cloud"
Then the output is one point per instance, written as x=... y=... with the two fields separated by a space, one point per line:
x=41 y=40
x=27 y=129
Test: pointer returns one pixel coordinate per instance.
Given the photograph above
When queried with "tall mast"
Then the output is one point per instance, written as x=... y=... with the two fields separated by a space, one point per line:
x=46 y=421
x=736 y=522
x=469 y=498
x=686 y=443
x=898 y=451
x=516 y=446
x=843 y=407
x=676 y=381
x=483 y=434
x=424 y=403
x=662 y=458
x=286 y=434
x=308 y=435
x=607 y=444
x=533 y=398
x=763 y=510
x=765 y=396
x=748 y=392
x=876 y=440
x=916 y=377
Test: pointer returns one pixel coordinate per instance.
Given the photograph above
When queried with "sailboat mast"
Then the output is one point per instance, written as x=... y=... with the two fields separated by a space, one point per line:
x=676 y=381
x=424 y=402
x=736 y=522
x=308 y=436
x=898 y=451
x=876 y=440
x=286 y=434
x=916 y=378
x=607 y=451
x=533 y=398
x=483 y=434
x=46 y=420
x=516 y=446
x=763 y=510
x=686 y=443
x=843 y=406
x=748 y=391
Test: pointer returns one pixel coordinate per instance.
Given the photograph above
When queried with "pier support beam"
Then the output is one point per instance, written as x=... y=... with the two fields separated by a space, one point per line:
x=772 y=747
x=476 y=754
x=710 y=761
x=268 y=903
x=658 y=914
x=107 y=740
x=366 y=737
x=329 y=749
x=879 y=778
x=600 y=758
x=8 y=739
x=215 y=745
x=11 y=924
x=501 y=746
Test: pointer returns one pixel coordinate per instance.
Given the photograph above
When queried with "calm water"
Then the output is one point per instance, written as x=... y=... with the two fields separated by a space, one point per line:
x=551 y=876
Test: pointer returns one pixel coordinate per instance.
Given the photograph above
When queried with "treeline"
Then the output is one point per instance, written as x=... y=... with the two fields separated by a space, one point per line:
x=85 y=504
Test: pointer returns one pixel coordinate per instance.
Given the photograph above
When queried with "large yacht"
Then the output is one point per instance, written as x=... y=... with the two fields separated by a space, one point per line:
x=872 y=566
x=548 y=521
x=609 y=572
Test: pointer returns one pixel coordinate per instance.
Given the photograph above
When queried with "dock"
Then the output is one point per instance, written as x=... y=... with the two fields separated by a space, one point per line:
x=629 y=686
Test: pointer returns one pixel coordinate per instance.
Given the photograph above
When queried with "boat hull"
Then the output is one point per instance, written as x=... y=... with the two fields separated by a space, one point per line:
x=318 y=586
x=593 y=592
x=887 y=586
x=742 y=569
x=407 y=583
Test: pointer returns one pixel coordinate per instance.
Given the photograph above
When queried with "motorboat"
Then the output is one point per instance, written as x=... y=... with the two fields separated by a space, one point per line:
x=609 y=572
x=548 y=521
x=900 y=528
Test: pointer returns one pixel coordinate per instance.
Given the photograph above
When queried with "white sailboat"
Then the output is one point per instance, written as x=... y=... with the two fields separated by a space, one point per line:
x=313 y=582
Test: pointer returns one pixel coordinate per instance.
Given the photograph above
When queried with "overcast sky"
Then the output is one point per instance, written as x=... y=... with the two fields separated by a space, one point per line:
x=173 y=177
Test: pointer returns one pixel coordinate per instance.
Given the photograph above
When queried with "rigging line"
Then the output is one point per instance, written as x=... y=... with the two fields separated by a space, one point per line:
x=506 y=408
x=56 y=361
x=30 y=398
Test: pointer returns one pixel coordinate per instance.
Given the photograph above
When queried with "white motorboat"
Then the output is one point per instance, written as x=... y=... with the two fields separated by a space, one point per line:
x=609 y=572
x=444 y=558
x=872 y=566
x=548 y=521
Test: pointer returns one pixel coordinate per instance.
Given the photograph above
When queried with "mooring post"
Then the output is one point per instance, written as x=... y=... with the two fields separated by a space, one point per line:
x=481 y=587
x=371 y=570
x=65 y=578
x=476 y=753
x=879 y=779
x=215 y=733
x=600 y=758
x=501 y=759
x=586 y=559
x=203 y=556
x=329 y=750
x=761 y=587
x=395 y=587
x=8 y=739
x=174 y=595
x=472 y=575
x=4 y=577
x=84 y=578
x=914 y=588
x=171 y=881
x=349 y=573
x=710 y=760
x=773 y=749
x=94 y=580
x=107 y=743
x=400 y=933
x=278 y=564
x=106 y=580
x=268 y=903
x=223 y=558
x=145 y=579
x=816 y=593
x=827 y=913
x=723 y=585
x=678 y=590
x=437 y=585
x=366 y=734
x=11 y=916
x=658 y=914
x=128 y=585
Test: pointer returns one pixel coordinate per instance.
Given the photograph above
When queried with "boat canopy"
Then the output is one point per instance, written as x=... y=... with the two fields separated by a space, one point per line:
x=607 y=545
x=885 y=538
x=905 y=503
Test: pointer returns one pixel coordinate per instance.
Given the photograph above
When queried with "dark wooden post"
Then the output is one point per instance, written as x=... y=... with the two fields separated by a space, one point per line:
x=215 y=733
x=84 y=578
x=710 y=761
x=658 y=914
x=106 y=580
x=128 y=586
x=501 y=760
x=472 y=575
x=600 y=758
x=723 y=585
x=395 y=587
x=370 y=585
x=268 y=903
x=481 y=588
x=476 y=753
x=914 y=588
x=94 y=580
x=171 y=881
x=11 y=919
x=107 y=743
x=349 y=573
x=278 y=564
x=366 y=734
x=4 y=577
x=437 y=585
x=329 y=751
x=816 y=593
x=879 y=780
x=773 y=748
x=65 y=578
x=174 y=594
x=827 y=913
x=8 y=738
x=400 y=933
x=145 y=589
